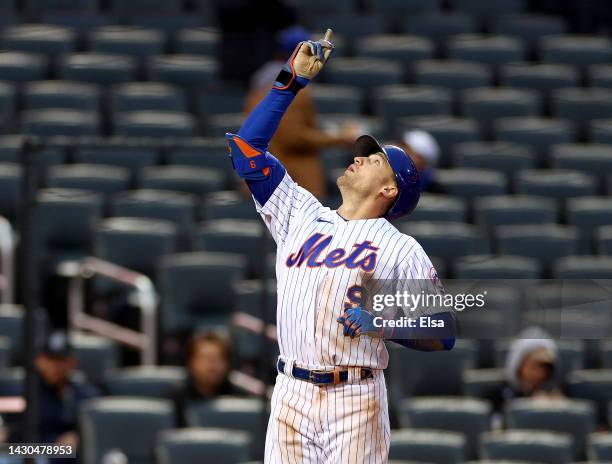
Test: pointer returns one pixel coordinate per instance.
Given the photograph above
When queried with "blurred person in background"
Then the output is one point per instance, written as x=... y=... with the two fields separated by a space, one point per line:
x=208 y=367
x=299 y=139
x=425 y=153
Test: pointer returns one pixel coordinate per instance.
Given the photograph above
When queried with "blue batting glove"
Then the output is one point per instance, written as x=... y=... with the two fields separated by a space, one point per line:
x=358 y=321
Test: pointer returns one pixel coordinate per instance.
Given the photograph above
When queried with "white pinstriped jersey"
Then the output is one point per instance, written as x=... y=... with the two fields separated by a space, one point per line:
x=322 y=262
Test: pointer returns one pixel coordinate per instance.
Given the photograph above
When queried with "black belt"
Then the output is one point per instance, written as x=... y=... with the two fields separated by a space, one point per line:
x=323 y=377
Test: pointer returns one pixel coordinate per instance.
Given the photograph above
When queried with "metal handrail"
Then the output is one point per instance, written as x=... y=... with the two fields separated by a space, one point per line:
x=144 y=298
x=7 y=251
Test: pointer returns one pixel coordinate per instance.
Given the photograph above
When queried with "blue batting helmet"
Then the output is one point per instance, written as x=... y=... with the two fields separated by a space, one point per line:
x=406 y=174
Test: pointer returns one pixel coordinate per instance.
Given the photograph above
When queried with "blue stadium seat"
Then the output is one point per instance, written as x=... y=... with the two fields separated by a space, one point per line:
x=81 y=22
x=100 y=68
x=514 y=209
x=105 y=180
x=227 y=205
x=543 y=77
x=39 y=7
x=433 y=207
x=351 y=26
x=506 y=157
x=573 y=417
x=10 y=190
x=555 y=183
x=183 y=70
x=133 y=41
x=156 y=124
x=219 y=124
x=133 y=158
x=529 y=27
x=479 y=383
x=544 y=447
x=594 y=385
x=455 y=75
x=61 y=122
x=95 y=355
x=582 y=105
x=127 y=9
x=497 y=267
x=7 y=105
x=439 y=27
x=205 y=153
x=188 y=179
x=130 y=425
x=142 y=96
x=226 y=99
x=10 y=147
x=190 y=445
x=61 y=94
x=539 y=133
x=21 y=67
x=11 y=327
x=11 y=381
x=364 y=73
x=171 y=25
x=492 y=50
x=5 y=352
x=486 y=105
x=586 y=214
x=48 y=40
x=198 y=289
x=605 y=349
x=198 y=41
x=395 y=10
x=331 y=98
x=603 y=237
x=593 y=159
x=447 y=240
x=600 y=447
x=600 y=76
x=579 y=51
x=466 y=416
x=485 y=10
x=149 y=381
x=427 y=446
x=472 y=183
x=545 y=242
x=447 y=130
x=583 y=267
x=600 y=131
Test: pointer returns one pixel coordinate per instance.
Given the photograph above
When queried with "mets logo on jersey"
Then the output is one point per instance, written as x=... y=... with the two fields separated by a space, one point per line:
x=313 y=253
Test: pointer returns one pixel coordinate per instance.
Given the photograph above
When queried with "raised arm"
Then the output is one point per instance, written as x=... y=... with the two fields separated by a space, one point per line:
x=248 y=149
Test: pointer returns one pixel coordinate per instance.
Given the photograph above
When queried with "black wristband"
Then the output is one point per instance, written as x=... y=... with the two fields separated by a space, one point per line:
x=285 y=78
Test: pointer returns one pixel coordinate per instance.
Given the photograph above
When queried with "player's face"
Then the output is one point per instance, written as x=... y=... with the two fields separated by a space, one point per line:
x=369 y=176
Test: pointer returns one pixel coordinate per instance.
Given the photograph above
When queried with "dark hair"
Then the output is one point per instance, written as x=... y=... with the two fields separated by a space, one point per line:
x=208 y=336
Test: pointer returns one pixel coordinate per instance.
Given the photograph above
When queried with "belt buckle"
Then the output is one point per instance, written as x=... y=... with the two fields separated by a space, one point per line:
x=311 y=377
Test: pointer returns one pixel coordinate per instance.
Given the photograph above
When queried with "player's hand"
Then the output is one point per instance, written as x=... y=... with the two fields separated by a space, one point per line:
x=358 y=321
x=310 y=56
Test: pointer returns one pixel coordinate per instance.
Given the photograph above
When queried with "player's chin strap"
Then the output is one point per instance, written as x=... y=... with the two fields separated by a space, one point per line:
x=249 y=163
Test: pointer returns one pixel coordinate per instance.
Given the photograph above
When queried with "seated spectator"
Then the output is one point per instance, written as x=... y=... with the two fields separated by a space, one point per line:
x=425 y=152
x=208 y=366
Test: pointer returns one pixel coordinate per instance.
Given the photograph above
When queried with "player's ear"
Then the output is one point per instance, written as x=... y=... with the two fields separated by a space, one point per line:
x=389 y=192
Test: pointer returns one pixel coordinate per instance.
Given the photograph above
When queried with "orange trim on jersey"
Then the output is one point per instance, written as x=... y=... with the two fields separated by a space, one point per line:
x=246 y=149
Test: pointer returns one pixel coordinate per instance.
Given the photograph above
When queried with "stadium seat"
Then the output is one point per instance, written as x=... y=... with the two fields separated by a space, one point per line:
x=219 y=124
x=455 y=75
x=155 y=124
x=226 y=99
x=228 y=205
x=11 y=381
x=605 y=350
x=65 y=219
x=600 y=447
x=198 y=288
x=427 y=446
x=485 y=10
x=555 y=183
x=497 y=267
x=127 y=9
x=43 y=6
x=171 y=25
x=579 y=51
x=573 y=417
x=404 y=49
x=5 y=352
x=454 y=414
x=364 y=73
x=121 y=155
x=183 y=70
x=541 y=446
x=480 y=383
x=188 y=179
x=485 y=105
x=129 y=425
x=593 y=159
x=586 y=214
x=61 y=94
x=179 y=208
x=142 y=96
x=545 y=242
x=48 y=40
x=439 y=27
x=100 y=68
x=600 y=131
x=95 y=355
x=235 y=236
x=582 y=105
x=331 y=98
x=514 y=209
x=472 y=183
x=80 y=22
x=396 y=10
x=505 y=157
x=22 y=67
x=10 y=190
x=433 y=207
x=61 y=122
x=594 y=385
x=395 y=101
x=583 y=267
x=7 y=105
x=600 y=76
x=11 y=327
x=133 y=41
x=150 y=381
x=10 y=149
x=448 y=131
x=191 y=445
x=350 y=26
x=204 y=153
x=105 y=180
x=134 y=243
x=198 y=41
x=249 y=298
x=529 y=27
x=543 y=77
x=603 y=236
x=539 y=133
x=492 y=50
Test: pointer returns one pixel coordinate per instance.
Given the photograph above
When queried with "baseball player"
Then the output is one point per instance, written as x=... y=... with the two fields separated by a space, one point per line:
x=330 y=403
